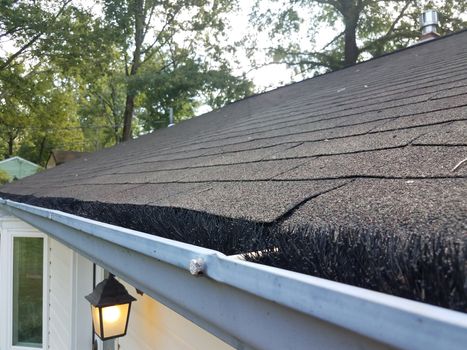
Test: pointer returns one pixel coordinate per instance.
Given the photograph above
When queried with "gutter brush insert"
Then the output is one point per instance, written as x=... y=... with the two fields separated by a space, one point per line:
x=431 y=268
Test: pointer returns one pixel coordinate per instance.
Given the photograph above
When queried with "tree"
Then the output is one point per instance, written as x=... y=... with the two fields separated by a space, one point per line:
x=52 y=124
x=14 y=90
x=76 y=79
x=55 y=53
x=101 y=110
x=158 y=34
x=38 y=112
x=29 y=26
x=4 y=177
x=184 y=86
x=364 y=28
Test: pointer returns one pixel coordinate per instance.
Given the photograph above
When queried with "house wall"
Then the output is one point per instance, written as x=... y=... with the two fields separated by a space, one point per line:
x=69 y=280
x=153 y=326
x=60 y=295
x=81 y=319
x=67 y=277
x=51 y=163
x=67 y=321
x=70 y=277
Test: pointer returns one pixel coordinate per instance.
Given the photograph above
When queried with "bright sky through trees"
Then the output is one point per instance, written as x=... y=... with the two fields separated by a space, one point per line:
x=270 y=75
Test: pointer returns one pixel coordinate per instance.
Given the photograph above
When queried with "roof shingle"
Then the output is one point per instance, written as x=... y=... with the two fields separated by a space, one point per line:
x=339 y=148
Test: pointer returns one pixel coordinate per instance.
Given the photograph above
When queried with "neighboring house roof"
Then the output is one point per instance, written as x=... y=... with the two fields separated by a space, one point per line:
x=18 y=167
x=58 y=157
x=370 y=148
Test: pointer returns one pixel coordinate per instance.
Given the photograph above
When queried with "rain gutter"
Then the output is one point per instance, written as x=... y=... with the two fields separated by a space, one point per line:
x=251 y=306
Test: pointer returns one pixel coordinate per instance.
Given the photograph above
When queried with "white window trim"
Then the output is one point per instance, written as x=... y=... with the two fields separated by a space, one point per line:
x=81 y=287
x=9 y=228
x=100 y=275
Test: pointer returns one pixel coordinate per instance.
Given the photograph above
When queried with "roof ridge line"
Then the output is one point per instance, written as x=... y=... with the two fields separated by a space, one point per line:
x=344 y=68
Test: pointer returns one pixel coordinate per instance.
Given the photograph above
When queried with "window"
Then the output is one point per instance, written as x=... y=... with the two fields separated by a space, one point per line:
x=23 y=286
x=27 y=291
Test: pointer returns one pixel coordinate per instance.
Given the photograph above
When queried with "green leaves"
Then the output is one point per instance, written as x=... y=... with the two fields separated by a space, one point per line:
x=363 y=28
x=4 y=177
x=184 y=86
x=170 y=50
x=71 y=71
x=37 y=113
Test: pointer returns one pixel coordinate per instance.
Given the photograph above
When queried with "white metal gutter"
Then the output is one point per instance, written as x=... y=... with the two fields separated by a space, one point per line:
x=252 y=306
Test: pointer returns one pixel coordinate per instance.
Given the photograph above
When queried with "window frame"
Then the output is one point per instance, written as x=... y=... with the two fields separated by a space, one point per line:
x=9 y=229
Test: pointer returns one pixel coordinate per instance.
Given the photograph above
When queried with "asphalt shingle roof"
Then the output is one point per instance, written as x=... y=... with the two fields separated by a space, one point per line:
x=348 y=176
x=373 y=143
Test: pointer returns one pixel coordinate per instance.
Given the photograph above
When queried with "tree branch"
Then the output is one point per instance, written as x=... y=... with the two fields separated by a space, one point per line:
x=33 y=40
x=169 y=20
x=149 y=19
x=20 y=51
x=386 y=36
x=313 y=63
x=10 y=31
x=333 y=40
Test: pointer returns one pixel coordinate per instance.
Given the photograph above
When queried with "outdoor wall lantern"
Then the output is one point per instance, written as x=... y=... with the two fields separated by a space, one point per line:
x=110 y=308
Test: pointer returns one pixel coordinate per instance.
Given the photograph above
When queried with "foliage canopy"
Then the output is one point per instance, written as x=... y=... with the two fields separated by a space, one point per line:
x=76 y=78
x=362 y=28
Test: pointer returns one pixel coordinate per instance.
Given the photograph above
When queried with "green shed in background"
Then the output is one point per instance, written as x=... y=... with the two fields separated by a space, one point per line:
x=18 y=167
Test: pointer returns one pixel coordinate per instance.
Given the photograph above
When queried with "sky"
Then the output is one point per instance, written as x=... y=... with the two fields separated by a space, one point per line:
x=275 y=75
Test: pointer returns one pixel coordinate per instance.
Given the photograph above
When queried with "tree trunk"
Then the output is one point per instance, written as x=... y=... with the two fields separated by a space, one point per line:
x=351 y=51
x=41 y=150
x=115 y=115
x=116 y=131
x=11 y=143
x=131 y=95
x=128 y=116
x=350 y=11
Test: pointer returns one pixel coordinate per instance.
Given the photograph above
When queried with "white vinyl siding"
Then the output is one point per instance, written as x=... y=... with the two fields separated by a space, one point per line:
x=70 y=279
x=60 y=295
x=82 y=285
x=155 y=327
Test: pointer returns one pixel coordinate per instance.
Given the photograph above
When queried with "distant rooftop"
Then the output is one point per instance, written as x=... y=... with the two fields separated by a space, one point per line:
x=18 y=168
x=58 y=157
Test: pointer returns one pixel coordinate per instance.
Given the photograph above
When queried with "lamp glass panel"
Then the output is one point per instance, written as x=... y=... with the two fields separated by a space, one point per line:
x=27 y=291
x=114 y=319
x=96 y=320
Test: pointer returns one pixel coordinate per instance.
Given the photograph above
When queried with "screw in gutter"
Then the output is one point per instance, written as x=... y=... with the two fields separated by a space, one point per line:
x=197 y=266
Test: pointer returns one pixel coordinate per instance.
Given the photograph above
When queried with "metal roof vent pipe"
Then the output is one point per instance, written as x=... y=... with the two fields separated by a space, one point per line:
x=429 y=25
x=171 y=117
